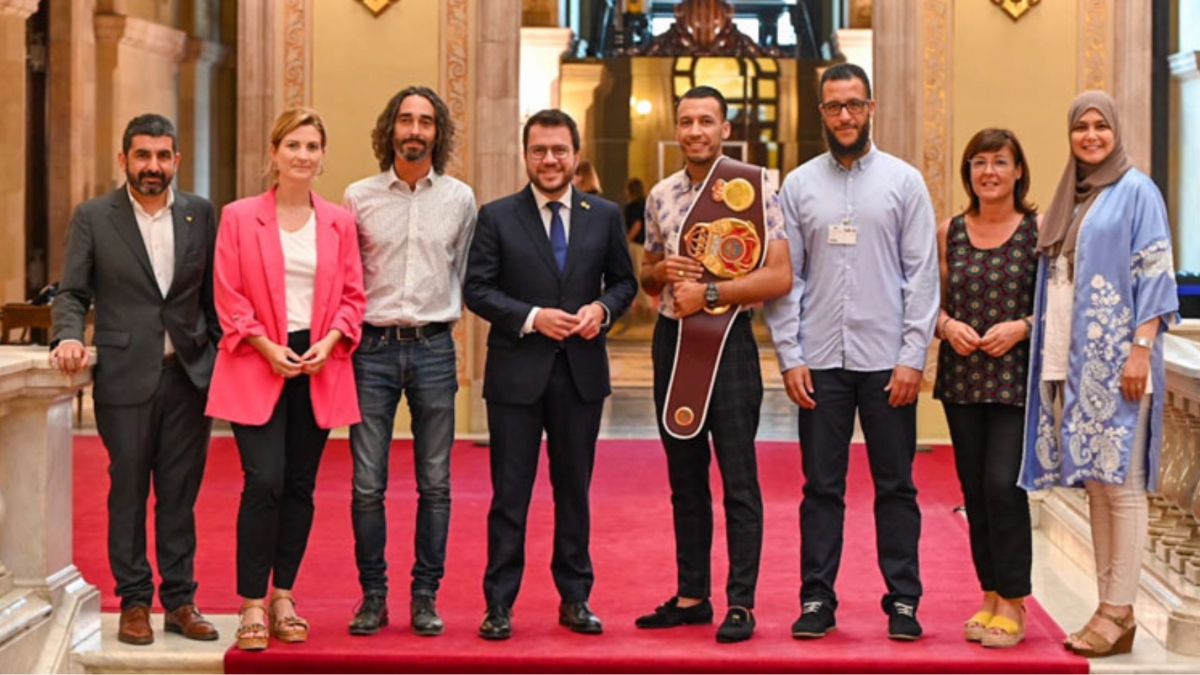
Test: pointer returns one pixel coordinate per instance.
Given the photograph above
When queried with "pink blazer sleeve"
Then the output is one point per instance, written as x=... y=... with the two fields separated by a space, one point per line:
x=234 y=309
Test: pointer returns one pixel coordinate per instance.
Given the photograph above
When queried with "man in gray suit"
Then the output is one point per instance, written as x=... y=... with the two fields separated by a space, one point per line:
x=144 y=253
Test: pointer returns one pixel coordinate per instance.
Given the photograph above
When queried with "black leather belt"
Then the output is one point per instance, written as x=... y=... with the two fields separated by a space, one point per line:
x=407 y=333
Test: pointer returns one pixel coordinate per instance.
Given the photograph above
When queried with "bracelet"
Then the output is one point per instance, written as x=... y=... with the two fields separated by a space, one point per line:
x=1146 y=342
x=942 y=328
x=1028 y=326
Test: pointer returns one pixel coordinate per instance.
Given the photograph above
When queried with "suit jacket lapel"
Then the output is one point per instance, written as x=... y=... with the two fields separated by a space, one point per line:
x=580 y=218
x=125 y=223
x=181 y=221
x=271 y=249
x=531 y=221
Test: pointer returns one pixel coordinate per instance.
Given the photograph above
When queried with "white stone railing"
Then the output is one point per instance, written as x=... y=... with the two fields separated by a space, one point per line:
x=46 y=607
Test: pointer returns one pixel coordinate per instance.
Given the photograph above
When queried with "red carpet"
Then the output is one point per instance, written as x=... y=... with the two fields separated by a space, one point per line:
x=633 y=554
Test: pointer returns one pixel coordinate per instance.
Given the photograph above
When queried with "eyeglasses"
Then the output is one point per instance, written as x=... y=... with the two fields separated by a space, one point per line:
x=539 y=152
x=980 y=164
x=834 y=108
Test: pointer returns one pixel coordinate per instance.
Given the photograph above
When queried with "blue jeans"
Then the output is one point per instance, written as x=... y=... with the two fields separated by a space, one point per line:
x=424 y=370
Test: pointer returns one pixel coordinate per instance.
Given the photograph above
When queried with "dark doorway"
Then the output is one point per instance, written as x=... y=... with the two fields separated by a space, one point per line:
x=37 y=175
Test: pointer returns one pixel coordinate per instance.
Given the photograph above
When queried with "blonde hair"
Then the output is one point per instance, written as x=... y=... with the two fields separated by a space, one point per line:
x=288 y=121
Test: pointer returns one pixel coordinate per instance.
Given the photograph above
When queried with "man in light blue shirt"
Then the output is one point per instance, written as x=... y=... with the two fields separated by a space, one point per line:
x=852 y=336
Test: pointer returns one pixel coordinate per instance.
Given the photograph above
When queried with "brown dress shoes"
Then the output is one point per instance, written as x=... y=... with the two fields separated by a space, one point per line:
x=188 y=622
x=135 y=626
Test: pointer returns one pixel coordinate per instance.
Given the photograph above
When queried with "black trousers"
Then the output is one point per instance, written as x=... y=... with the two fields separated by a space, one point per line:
x=571 y=426
x=988 y=446
x=279 y=463
x=164 y=440
x=891 y=435
x=732 y=423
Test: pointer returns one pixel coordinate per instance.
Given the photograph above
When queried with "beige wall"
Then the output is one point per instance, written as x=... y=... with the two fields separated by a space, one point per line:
x=1015 y=74
x=359 y=62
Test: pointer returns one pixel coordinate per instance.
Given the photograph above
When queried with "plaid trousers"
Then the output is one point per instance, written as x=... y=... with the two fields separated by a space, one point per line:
x=732 y=424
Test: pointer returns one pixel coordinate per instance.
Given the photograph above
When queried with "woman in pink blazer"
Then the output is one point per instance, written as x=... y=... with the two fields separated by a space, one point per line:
x=289 y=294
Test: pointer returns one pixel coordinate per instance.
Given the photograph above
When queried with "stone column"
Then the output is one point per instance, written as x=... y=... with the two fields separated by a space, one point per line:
x=495 y=140
x=13 y=14
x=896 y=26
x=72 y=124
x=137 y=66
x=256 y=73
x=1133 y=58
x=196 y=112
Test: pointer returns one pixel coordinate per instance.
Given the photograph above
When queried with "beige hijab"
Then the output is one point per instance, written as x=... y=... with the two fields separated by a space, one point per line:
x=1081 y=183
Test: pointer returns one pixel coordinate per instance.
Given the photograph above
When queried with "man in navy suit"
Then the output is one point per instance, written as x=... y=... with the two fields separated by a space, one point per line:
x=549 y=268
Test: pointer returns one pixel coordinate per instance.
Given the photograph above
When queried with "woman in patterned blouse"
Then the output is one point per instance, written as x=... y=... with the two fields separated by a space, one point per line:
x=988 y=261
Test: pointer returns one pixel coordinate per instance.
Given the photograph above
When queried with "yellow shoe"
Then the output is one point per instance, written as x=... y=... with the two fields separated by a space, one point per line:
x=974 y=628
x=1003 y=632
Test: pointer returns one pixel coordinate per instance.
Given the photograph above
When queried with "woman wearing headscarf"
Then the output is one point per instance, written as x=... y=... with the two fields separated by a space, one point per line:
x=1105 y=294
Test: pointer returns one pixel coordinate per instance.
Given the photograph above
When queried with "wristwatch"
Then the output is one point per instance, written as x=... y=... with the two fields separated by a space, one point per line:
x=1146 y=342
x=712 y=295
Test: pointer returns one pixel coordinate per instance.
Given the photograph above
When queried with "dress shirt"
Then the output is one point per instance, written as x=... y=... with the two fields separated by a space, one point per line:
x=866 y=306
x=158 y=234
x=667 y=208
x=564 y=214
x=414 y=245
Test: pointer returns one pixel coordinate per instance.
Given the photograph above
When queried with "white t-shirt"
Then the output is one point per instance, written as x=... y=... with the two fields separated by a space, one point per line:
x=1060 y=304
x=300 y=272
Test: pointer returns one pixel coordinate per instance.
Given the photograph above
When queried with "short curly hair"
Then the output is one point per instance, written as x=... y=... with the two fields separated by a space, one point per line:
x=383 y=136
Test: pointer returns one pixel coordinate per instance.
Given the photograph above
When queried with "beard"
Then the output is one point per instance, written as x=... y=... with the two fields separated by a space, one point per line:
x=550 y=188
x=140 y=185
x=413 y=153
x=840 y=150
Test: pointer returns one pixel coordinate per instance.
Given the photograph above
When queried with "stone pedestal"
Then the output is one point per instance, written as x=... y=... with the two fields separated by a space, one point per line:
x=46 y=607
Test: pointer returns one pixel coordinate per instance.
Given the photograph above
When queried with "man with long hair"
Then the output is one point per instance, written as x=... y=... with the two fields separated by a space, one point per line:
x=414 y=227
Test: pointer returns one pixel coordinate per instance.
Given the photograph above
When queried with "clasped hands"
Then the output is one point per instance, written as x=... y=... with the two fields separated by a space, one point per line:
x=287 y=364
x=557 y=324
x=995 y=342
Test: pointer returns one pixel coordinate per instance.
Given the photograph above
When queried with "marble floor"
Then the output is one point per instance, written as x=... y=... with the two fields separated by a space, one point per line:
x=1064 y=588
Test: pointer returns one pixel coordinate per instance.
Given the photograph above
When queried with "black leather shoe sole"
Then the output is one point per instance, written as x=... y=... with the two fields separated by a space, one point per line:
x=812 y=635
x=582 y=628
x=495 y=634
x=429 y=631
x=367 y=629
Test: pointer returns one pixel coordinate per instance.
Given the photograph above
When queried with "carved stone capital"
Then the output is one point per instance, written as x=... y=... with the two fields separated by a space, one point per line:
x=22 y=9
x=148 y=36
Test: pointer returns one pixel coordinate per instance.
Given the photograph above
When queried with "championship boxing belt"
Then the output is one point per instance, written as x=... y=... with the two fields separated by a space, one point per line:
x=725 y=232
